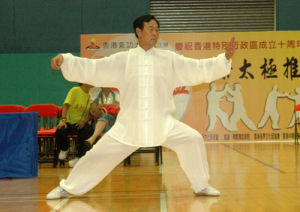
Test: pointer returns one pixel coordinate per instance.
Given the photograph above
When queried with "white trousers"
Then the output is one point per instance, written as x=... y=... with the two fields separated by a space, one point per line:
x=92 y=168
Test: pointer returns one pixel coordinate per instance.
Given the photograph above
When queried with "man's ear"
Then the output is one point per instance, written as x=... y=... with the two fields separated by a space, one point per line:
x=138 y=31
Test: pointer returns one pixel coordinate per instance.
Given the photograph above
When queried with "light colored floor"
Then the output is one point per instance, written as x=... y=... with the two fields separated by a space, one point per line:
x=251 y=176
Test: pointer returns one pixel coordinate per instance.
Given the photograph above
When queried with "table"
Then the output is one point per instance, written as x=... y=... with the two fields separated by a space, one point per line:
x=18 y=145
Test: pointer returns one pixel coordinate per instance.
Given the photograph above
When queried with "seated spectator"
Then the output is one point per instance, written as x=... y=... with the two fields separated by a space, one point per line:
x=104 y=110
x=75 y=120
x=105 y=116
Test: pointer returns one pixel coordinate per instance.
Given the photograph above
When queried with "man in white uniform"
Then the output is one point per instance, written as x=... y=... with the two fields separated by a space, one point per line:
x=146 y=78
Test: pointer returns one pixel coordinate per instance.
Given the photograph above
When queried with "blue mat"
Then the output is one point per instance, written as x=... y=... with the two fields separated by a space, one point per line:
x=18 y=145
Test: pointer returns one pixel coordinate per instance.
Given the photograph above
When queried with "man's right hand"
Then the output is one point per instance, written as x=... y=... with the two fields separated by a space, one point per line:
x=57 y=61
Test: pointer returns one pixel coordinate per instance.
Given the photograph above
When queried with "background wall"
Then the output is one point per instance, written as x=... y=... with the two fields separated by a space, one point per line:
x=287 y=15
x=33 y=31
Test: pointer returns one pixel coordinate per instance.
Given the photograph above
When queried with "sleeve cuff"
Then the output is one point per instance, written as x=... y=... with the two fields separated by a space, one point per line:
x=66 y=58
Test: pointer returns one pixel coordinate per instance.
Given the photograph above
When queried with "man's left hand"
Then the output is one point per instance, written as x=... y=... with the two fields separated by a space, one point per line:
x=230 y=49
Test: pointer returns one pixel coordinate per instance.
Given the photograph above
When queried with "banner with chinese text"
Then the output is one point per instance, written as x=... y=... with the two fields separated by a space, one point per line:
x=255 y=102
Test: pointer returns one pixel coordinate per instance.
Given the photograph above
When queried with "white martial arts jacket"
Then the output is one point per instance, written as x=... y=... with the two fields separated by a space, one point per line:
x=146 y=80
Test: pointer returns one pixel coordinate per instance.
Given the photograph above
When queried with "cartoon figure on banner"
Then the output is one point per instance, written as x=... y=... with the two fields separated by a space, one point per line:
x=295 y=98
x=239 y=112
x=214 y=97
x=271 y=108
x=92 y=45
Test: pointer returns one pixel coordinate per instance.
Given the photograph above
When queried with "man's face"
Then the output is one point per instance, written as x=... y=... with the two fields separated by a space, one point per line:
x=148 y=37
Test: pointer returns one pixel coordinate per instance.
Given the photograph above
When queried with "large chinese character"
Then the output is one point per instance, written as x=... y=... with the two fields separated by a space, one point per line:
x=244 y=45
x=188 y=46
x=114 y=45
x=178 y=46
x=216 y=45
x=263 y=45
x=105 y=45
x=207 y=46
x=291 y=44
x=165 y=44
x=129 y=44
x=269 y=71
x=291 y=68
x=244 y=70
x=121 y=45
x=253 y=45
x=272 y=44
x=158 y=45
x=197 y=45
x=281 y=44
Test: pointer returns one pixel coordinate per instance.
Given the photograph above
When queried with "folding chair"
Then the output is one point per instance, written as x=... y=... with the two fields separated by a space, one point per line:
x=157 y=150
x=21 y=108
x=11 y=108
x=297 y=122
x=48 y=114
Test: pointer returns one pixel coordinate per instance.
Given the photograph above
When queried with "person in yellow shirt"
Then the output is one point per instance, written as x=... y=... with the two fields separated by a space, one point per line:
x=74 y=120
x=104 y=109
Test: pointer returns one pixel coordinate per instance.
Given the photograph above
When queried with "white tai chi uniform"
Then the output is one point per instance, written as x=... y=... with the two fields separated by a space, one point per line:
x=146 y=80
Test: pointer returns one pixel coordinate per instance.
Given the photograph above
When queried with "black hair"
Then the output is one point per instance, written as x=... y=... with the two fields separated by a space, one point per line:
x=139 y=22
